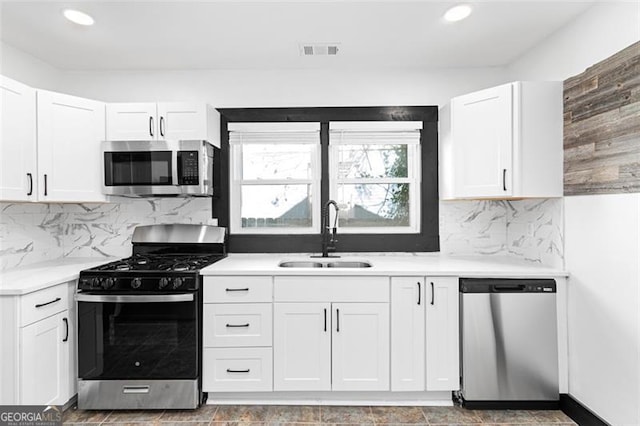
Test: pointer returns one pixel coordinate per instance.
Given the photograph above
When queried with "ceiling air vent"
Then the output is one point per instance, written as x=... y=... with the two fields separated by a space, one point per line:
x=317 y=49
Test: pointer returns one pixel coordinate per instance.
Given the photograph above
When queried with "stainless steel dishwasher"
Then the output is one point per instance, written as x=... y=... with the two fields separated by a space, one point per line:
x=509 y=343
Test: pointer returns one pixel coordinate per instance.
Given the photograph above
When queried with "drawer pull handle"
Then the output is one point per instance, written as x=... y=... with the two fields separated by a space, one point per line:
x=338 y=320
x=237 y=289
x=238 y=371
x=237 y=325
x=433 y=294
x=419 y=292
x=40 y=305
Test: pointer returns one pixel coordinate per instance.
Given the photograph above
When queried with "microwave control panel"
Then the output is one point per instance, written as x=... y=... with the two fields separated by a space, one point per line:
x=188 y=173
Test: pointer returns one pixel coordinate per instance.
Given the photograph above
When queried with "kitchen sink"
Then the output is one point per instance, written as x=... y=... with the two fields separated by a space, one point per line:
x=335 y=264
x=300 y=264
x=348 y=264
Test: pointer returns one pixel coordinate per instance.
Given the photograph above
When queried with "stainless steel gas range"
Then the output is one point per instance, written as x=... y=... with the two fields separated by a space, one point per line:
x=140 y=321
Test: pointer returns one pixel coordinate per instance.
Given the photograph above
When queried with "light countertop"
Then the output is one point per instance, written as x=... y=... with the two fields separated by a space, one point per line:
x=37 y=276
x=397 y=264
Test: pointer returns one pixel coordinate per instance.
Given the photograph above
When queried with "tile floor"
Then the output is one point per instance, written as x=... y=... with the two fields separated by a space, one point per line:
x=259 y=415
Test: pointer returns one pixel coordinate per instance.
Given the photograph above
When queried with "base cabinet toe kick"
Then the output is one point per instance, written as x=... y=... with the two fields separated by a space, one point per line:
x=266 y=338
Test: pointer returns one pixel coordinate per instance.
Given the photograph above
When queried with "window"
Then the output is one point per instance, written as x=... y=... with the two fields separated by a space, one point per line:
x=275 y=178
x=375 y=176
x=383 y=171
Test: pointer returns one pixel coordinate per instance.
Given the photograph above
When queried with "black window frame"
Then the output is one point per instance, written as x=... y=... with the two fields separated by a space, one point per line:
x=427 y=240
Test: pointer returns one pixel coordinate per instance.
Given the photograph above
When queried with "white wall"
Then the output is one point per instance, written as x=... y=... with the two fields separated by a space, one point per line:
x=603 y=257
x=27 y=69
x=598 y=33
x=602 y=236
x=260 y=88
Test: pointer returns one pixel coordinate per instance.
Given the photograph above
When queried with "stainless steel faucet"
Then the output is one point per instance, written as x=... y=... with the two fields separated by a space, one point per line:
x=329 y=239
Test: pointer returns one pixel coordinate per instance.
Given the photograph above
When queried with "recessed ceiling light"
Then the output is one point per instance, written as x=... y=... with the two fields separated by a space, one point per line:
x=78 y=17
x=457 y=13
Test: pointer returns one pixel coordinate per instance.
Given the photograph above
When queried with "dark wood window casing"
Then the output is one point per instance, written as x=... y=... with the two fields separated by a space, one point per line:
x=427 y=240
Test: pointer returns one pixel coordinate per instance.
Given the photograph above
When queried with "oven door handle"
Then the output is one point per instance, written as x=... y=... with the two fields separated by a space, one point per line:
x=137 y=298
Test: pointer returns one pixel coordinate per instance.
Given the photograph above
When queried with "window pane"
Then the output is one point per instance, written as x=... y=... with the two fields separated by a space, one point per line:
x=276 y=206
x=374 y=205
x=277 y=161
x=367 y=161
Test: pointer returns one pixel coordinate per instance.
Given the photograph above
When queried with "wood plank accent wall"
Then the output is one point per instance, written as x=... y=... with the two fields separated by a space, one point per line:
x=602 y=126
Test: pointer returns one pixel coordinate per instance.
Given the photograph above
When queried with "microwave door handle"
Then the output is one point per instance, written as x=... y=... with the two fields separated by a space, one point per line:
x=174 y=167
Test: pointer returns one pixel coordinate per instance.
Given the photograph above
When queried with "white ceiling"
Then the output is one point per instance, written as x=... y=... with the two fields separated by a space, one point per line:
x=266 y=34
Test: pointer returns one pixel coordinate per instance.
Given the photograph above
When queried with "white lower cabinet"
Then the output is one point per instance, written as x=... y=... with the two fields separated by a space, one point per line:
x=360 y=347
x=442 y=333
x=424 y=334
x=407 y=334
x=44 y=357
x=333 y=333
x=237 y=370
x=38 y=347
x=237 y=335
x=302 y=346
x=331 y=346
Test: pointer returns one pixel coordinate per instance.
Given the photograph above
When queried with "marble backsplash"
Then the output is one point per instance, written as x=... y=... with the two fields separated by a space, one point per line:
x=529 y=229
x=33 y=232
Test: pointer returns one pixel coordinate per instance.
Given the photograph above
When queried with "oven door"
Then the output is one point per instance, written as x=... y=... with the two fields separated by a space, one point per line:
x=130 y=337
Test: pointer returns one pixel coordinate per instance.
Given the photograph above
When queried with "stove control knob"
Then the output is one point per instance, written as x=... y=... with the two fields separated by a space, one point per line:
x=108 y=283
x=163 y=282
x=177 y=283
x=136 y=283
x=97 y=282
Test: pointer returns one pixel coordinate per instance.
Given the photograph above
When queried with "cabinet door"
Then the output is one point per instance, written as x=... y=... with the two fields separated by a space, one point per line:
x=407 y=334
x=70 y=130
x=482 y=133
x=44 y=358
x=443 y=358
x=17 y=141
x=72 y=341
x=302 y=346
x=132 y=121
x=181 y=120
x=360 y=353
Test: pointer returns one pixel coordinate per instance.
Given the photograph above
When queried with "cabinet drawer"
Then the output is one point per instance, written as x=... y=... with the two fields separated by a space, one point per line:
x=331 y=289
x=44 y=303
x=237 y=370
x=236 y=325
x=237 y=289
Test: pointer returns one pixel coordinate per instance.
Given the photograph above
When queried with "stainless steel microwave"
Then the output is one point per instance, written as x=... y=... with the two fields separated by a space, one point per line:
x=145 y=168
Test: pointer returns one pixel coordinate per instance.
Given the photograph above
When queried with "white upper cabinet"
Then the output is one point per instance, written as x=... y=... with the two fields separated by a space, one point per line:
x=49 y=146
x=503 y=142
x=163 y=121
x=132 y=122
x=17 y=141
x=70 y=130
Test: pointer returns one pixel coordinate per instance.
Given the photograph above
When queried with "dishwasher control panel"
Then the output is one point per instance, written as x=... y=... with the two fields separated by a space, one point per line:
x=507 y=285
